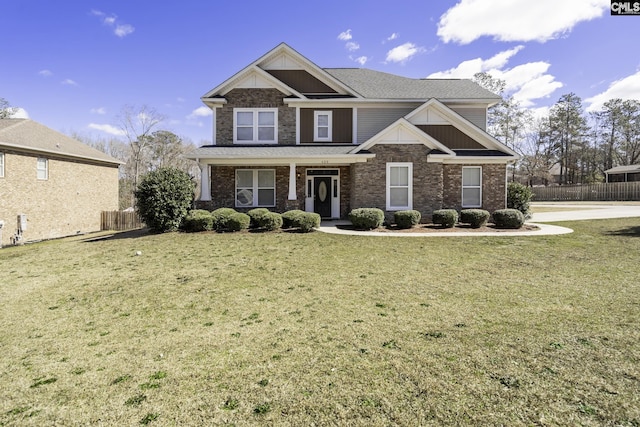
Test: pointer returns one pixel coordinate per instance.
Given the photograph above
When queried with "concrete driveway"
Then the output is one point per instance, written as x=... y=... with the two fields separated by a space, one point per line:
x=580 y=211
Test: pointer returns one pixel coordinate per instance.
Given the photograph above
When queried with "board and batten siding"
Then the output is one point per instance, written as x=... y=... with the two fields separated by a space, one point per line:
x=373 y=120
x=477 y=116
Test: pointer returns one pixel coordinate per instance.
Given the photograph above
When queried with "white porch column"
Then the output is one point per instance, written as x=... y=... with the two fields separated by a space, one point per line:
x=205 y=183
x=292 y=181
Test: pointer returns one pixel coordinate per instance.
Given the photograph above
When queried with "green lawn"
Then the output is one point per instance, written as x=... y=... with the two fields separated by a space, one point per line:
x=297 y=329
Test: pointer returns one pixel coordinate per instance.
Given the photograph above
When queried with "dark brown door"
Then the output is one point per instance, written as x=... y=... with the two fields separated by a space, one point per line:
x=322 y=196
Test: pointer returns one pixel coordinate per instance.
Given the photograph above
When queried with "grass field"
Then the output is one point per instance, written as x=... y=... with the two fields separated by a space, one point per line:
x=316 y=329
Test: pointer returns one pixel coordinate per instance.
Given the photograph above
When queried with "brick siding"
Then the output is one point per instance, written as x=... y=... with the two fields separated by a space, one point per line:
x=493 y=187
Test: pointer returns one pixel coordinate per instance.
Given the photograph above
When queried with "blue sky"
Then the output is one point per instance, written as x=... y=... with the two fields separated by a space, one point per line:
x=73 y=64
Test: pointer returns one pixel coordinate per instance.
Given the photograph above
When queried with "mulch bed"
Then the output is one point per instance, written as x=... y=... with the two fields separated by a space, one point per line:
x=432 y=228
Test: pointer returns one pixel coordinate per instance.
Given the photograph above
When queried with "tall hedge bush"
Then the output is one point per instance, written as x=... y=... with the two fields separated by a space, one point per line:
x=519 y=197
x=164 y=197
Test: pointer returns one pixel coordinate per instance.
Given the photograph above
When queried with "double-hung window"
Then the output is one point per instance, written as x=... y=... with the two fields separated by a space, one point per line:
x=471 y=186
x=255 y=187
x=1 y=165
x=42 y=168
x=255 y=125
x=399 y=186
x=322 y=126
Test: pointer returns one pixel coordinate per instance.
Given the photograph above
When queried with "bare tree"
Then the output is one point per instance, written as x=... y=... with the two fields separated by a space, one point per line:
x=6 y=110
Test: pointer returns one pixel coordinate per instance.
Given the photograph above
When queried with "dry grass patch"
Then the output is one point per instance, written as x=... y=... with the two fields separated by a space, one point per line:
x=295 y=329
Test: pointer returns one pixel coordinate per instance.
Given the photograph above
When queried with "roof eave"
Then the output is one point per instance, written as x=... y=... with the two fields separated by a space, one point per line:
x=60 y=154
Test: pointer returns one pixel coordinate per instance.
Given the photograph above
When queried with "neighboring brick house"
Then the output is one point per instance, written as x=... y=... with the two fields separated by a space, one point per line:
x=61 y=185
x=288 y=134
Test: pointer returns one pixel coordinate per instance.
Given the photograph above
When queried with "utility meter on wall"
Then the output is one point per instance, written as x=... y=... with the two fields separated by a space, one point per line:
x=22 y=222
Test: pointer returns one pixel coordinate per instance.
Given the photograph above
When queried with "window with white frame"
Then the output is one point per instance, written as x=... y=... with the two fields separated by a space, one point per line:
x=322 y=126
x=472 y=186
x=42 y=168
x=255 y=125
x=255 y=187
x=399 y=186
x=1 y=165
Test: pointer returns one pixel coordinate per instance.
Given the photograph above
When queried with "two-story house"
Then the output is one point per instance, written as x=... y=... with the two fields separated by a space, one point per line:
x=288 y=134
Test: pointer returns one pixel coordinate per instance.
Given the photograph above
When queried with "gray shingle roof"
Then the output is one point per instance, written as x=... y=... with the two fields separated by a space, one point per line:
x=624 y=169
x=379 y=85
x=32 y=136
x=270 y=151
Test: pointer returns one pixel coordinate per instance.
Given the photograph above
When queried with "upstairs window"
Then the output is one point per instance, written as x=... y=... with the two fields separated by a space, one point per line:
x=322 y=126
x=255 y=125
x=472 y=186
x=42 y=168
x=1 y=165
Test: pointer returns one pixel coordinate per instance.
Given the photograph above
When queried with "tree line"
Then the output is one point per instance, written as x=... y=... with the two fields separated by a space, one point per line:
x=567 y=145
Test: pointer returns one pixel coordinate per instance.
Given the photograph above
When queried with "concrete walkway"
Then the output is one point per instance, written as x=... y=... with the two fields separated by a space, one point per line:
x=567 y=213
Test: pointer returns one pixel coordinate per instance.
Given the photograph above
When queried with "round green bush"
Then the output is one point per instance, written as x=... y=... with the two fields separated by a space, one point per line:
x=221 y=218
x=366 y=218
x=508 y=218
x=164 y=197
x=519 y=197
x=307 y=222
x=290 y=218
x=474 y=217
x=445 y=217
x=270 y=221
x=197 y=220
x=406 y=219
x=238 y=222
x=256 y=215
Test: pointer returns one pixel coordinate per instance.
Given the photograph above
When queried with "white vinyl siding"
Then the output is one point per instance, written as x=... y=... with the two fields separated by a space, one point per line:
x=399 y=186
x=255 y=125
x=42 y=168
x=472 y=186
x=255 y=187
x=322 y=126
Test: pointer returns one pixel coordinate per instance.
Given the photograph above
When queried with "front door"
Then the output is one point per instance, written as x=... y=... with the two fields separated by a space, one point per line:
x=322 y=196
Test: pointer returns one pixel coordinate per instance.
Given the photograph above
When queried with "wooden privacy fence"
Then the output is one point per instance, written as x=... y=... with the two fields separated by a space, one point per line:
x=612 y=191
x=120 y=220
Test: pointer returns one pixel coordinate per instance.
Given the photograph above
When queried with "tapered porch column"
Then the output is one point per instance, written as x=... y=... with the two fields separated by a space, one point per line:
x=205 y=183
x=292 y=181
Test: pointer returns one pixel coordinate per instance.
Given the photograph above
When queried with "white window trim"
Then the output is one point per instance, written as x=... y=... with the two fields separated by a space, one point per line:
x=409 y=186
x=255 y=188
x=255 y=112
x=1 y=165
x=470 y=187
x=316 y=137
x=45 y=169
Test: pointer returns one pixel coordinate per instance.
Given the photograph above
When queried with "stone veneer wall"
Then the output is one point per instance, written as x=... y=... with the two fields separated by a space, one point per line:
x=493 y=186
x=68 y=202
x=368 y=180
x=255 y=98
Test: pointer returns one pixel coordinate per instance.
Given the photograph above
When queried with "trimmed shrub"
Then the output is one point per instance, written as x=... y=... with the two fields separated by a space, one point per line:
x=270 y=221
x=407 y=219
x=445 y=217
x=221 y=218
x=164 y=197
x=474 y=217
x=366 y=218
x=308 y=221
x=256 y=215
x=197 y=220
x=238 y=222
x=508 y=218
x=519 y=197
x=290 y=218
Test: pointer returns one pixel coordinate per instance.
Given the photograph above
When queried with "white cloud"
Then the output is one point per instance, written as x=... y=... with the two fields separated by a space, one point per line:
x=392 y=37
x=403 y=53
x=100 y=110
x=345 y=35
x=360 y=60
x=19 y=113
x=119 y=29
x=526 y=82
x=516 y=20
x=625 y=88
x=69 y=82
x=45 y=73
x=352 y=46
x=203 y=111
x=111 y=130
